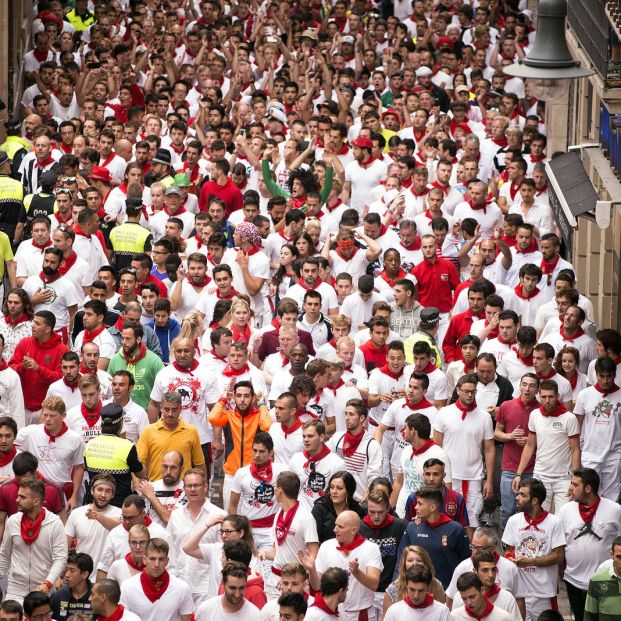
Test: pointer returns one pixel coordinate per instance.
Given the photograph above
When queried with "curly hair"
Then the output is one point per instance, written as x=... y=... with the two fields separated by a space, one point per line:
x=306 y=178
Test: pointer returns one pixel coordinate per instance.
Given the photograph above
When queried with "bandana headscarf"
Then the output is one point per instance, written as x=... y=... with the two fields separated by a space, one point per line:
x=249 y=232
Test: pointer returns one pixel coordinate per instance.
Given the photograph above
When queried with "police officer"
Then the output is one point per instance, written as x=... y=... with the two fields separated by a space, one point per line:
x=12 y=212
x=427 y=331
x=110 y=453
x=131 y=237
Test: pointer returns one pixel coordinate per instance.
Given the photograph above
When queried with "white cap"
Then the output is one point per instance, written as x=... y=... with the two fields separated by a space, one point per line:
x=348 y=39
x=423 y=71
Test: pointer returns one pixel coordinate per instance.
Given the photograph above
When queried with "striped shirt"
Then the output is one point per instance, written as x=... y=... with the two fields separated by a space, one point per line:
x=603 y=602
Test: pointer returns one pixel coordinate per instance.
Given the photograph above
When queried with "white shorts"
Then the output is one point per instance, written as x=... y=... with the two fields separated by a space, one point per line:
x=556 y=492
x=474 y=498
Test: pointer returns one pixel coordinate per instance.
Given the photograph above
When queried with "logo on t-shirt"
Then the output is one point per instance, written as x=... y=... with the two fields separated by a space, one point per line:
x=188 y=389
x=263 y=494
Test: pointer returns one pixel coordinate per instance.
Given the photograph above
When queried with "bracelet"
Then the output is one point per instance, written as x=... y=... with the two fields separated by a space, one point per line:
x=517 y=474
x=48 y=584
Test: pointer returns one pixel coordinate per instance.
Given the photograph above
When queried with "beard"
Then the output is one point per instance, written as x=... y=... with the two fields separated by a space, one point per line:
x=49 y=271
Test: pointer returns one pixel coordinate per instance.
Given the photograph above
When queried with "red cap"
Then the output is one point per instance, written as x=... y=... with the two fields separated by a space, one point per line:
x=100 y=174
x=362 y=142
x=391 y=112
x=444 y=42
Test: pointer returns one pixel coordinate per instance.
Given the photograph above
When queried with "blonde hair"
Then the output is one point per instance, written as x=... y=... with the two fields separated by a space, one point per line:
x=435 y=588
x=56 y=404
x=90 y=379
x=191 y=327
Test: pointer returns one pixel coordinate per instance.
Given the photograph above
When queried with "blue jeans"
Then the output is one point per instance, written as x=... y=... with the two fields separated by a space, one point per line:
x=507 y=497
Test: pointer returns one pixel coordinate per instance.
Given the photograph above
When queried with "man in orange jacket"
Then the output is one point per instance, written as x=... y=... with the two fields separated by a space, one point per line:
x=241 y=424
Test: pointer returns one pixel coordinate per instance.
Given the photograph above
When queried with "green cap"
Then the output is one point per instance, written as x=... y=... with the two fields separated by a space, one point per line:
x=181 y=180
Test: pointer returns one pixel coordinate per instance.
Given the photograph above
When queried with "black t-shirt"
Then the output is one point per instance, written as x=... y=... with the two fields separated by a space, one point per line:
x=64 y=604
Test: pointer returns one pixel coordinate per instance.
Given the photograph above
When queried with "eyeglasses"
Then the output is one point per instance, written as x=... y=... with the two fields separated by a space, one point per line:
x=193 y=485
x=69 y=179
x=41 y=616
x=129 y=518
x=229 y=532
x=468 y=392
x=138 y=543
x=63 y=191
x=480 y=548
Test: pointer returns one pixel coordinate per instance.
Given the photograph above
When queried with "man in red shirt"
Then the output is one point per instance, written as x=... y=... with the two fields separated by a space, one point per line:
x=461 y=323
x=142 y=264
x=37 y=362
x=437 y=278
x=220 y=186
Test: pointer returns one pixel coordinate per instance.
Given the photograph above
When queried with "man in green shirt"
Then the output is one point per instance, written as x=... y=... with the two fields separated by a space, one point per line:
x=603 y=602
x=134 y=357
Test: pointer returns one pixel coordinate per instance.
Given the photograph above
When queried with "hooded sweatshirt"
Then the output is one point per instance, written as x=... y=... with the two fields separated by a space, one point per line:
x=36 y=383
x=166 y=336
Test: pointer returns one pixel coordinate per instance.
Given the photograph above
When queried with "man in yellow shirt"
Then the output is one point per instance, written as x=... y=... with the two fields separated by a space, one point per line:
x=170 y=433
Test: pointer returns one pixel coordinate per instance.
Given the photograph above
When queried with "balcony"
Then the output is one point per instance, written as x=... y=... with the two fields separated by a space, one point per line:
x=594 y=23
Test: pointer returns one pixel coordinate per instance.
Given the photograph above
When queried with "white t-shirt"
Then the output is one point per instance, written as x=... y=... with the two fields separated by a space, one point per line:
x=192 y=386
x=585 y=552
x=355 y=266
x=90 y=534
x=328 y=296
x=71 y=396
x=257 y=498
x=64 y=296
x=400 y=611
x=77 y=423
x=303 y=530
x=463 y=439
x=601 y=426
x=553 y=458
x=12 y=396
x=504 y=601
x=380 y=383
x=135 y=419
x=497 y=614
x=285 y=445
x=530 y=542
x=56 y=459
x=363 y=181
x=212 y=610
x=438 y=384
x=359 y=310
x=314 y=481
x=175 y=602
x=121 y=571
x=368 y=554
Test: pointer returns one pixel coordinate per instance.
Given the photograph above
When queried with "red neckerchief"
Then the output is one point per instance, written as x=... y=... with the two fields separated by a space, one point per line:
x=428 y=601
x=445 y=188
x=477 y=207
x=323 y=451
x=346 y=548
x=419 y=194
x=571 y=339
x=40 y=56
x=430 y=368
x=292 y=428
x=488 y=609
x=177 y=151
x=67 y=264
x=283 y=523
x=391 y=281
x=469 y=366
x=132 y=564
x=537 y=158
x=465 y=410
x=285 y=359
x=147 y=522
x=415 y=245
x=366 y=164
x=532 y=247
x=588 y=513
x=442 y=519
x=91 y=416
x=282 y=234
x=549 y=265
x=338 y=385
x=23 y=317
x=525 y=296
x=320 y=603
x=421 y=405
x=117 y=615
x=72 y=385
x=388 y=520
x=60 y=220
x=549 y=375
x=340 y=254
x=30 y=529
x=232 y=293
x=142 y=352
x=503 y=342
x=557 y=411
x=351 y=442
x=338 y=203
x=241 y=337
x=90 y=336
x=528 y=361
x=230 y=372
x=7 y=458
x=192 y=368
x=154 y=589
x=52 y=438
x=314 y=286
x=108 y=159
x=604 y=392
x=194 y=172
x=44 y=163
x=543 y=189
x=513 y=190
x=425 y=446
x=264 y=474
x=533 y=523
x=494 y=590
x=174 y=215
x=250 y=251
x=49 y=279
x=119 y=324
x=418 y=134
x=386 y=371
x=42 y=248
x=203 y=283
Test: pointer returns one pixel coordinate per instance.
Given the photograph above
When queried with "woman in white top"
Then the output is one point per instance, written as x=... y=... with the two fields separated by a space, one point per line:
x=566 y=364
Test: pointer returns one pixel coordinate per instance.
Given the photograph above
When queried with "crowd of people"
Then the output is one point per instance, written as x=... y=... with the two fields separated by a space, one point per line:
x=287 y=327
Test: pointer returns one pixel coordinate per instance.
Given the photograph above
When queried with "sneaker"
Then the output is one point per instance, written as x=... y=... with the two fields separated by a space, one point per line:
x=487 y=519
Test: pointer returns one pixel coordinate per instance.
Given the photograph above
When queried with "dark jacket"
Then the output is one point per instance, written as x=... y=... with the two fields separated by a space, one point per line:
x=505 y=392
x=325 y=516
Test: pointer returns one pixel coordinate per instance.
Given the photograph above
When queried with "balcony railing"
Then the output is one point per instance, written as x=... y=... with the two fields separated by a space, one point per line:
x=591 y=25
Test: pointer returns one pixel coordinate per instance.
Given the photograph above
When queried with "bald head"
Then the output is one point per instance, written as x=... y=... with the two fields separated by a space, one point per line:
x=123 y=148
x=347 y=526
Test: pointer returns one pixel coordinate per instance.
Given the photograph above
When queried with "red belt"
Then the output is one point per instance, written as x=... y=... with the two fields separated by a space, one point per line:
x=464 y=489
x=363 y=615
x=64 y=335
x=265 y=522
x=376 y=424
x=276 y=571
